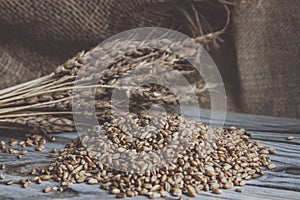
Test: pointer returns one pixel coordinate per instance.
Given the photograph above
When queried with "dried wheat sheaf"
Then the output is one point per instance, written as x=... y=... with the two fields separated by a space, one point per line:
x=46 y=103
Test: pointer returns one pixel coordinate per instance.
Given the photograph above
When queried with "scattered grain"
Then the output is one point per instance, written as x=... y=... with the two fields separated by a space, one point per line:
x=191 y=191
x=239 y=190
x=242 y=183
x=2 y=177
x=38 y=181
x=121 y=195
x=2 y=145
x=154 y=195
x=51 y=138
x=130 y=193
x=10 y=182
x=48 y=189
x=13 y=142
x=53 y=150
x=2 y=166
x=33 y=171
x=228 y=185
x=290 y=138
x=23 y=152
x=45 y=177
x=92 y=181
x=176 y=192
x=272 y=150
x=217 y=191
x=52 y=155
x=39 y=148
x=26 y=184
x=14 y=151
x=271 y=166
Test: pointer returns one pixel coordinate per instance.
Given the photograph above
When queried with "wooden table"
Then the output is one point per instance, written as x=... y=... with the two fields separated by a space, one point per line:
x=281 y=183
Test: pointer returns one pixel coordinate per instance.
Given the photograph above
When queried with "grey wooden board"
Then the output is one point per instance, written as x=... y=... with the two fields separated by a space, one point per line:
x=281 y=183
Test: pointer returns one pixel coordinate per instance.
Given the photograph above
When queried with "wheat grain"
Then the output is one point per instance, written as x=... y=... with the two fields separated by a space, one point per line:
x=290 y=138
x=10 y=182
x=229 y=161
x=48 y=189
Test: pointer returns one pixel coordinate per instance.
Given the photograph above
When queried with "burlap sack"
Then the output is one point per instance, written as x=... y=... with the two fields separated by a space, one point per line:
x=267 y=49
x=38 y=35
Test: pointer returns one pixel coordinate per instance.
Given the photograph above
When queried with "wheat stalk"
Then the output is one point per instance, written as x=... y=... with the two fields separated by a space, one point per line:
x=47 y=102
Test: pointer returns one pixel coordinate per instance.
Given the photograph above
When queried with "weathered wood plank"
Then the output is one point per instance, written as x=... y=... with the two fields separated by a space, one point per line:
x=281 y=183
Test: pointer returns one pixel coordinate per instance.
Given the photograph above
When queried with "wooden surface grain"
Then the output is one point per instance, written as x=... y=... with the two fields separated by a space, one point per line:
x=280 y=183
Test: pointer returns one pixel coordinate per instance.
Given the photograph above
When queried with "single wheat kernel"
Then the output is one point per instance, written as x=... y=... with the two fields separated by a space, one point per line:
x=290 y=137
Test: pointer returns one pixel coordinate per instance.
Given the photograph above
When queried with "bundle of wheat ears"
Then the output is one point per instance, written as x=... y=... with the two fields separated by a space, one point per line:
x=46 y=103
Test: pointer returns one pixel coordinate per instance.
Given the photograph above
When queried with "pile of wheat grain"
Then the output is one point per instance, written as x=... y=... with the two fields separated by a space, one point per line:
x=215 y=159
